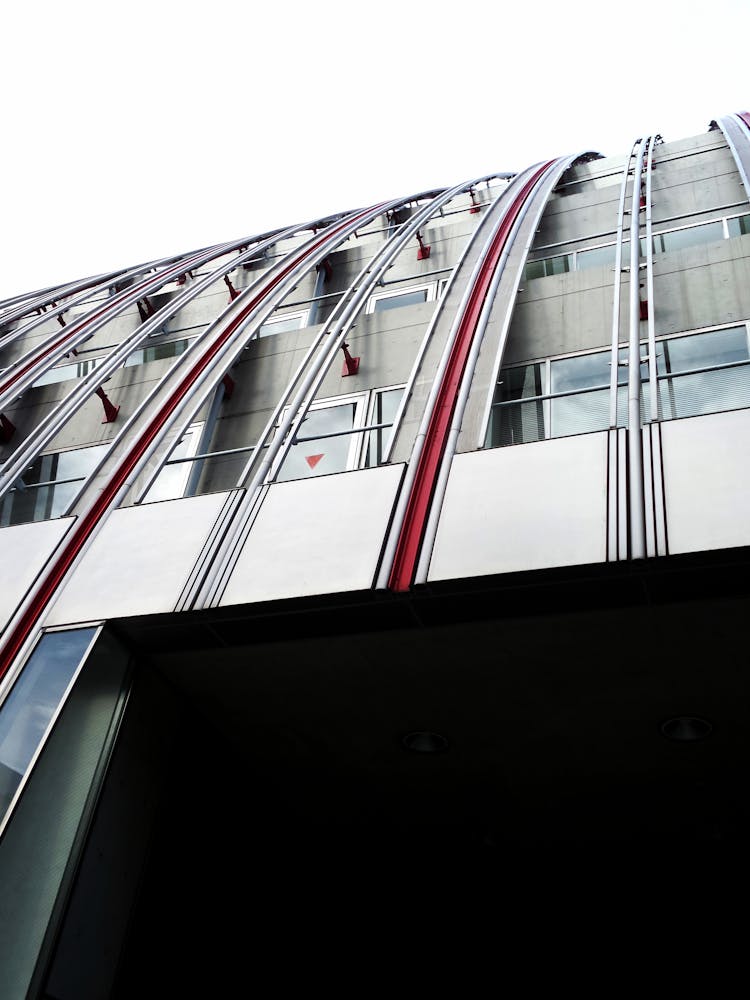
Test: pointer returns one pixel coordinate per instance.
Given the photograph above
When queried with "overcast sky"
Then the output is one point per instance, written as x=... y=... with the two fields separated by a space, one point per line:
x=138 y=130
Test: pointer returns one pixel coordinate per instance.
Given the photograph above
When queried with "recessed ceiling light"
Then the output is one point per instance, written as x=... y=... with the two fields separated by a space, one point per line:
x=686 y=728
x=423 y=741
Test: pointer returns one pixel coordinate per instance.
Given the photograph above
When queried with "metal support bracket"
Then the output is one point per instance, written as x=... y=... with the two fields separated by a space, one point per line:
x=424 y=251
x=351 y=365
x=110 y=410
x=233 y=293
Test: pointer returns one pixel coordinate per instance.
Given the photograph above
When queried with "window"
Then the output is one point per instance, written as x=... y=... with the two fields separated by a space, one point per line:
x=283 y=322
x=29 y=710
x=697 y=373
x=173 y=478
x=665 y=242
x=334 y=438
x=414 y=295
x=49 y=485
x=64 y=372
x=157 y=352
x=383 y=408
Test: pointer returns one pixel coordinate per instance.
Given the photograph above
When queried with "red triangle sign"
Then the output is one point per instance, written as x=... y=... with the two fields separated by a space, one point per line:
x=312 y=460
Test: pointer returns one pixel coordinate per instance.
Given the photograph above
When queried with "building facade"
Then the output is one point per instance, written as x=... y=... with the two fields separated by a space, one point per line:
x=422 y=526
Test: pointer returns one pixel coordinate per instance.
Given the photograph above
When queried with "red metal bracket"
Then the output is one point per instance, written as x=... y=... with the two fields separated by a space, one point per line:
x=7 y=429
x=228 y=383
x=351 y=365
x=110 y=410
x=233 y=293
x=60 y=319
x=644 y=309
x=424 y=251
x=474 y=205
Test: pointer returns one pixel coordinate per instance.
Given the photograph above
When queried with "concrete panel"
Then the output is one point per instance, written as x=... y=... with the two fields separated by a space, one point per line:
x=316 y=536
x=525 y=507
x=24 y=550
x=139 y=562
x=707 y=481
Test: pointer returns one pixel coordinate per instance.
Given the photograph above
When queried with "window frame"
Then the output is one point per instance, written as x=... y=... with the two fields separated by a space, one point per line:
x=429 y=287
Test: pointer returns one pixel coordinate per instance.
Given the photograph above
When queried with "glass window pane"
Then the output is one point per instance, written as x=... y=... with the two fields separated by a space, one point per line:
x=597 y=257
x=739 y=226
x=172 y=480
x=579 y=414
x=25 y=502
x=559 y=265
x=535 y=269
x=318 y=457
x=409 y=298
x=694 y=235
x=282 y=324
x=384 y=412
x=704 y=392
x=30 y=706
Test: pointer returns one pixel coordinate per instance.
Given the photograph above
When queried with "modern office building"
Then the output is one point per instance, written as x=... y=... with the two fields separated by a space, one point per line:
x=421 y=527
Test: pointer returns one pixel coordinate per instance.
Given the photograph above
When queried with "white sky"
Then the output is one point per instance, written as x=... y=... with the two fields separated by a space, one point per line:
x=138 y=130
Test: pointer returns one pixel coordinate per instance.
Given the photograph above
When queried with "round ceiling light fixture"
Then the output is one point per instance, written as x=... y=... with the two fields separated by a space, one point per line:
x=686 y=728
x=424 y=741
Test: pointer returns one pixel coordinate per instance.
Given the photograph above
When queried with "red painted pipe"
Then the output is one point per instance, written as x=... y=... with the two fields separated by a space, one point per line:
x=428 y=464
x=745 y=116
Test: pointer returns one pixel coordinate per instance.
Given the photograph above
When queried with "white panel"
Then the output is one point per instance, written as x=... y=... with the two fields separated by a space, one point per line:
x=316 y=536
x=524 y=507
x=707 y=481
x=24 y=549
x=140 y=560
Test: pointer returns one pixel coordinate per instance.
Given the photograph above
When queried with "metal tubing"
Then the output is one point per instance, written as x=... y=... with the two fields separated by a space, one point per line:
x=436 y=502
x=653 y=390
x=635 y=449
x=308 y=375
x=403 y=539
x=615 y=348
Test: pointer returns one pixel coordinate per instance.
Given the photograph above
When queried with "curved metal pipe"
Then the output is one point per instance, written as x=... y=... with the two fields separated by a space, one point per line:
x=550 y=178
x=635 y=446
x=404 y=538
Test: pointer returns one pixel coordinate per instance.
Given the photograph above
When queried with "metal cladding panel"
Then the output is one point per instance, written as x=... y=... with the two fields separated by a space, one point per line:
x=707 y=481
x=24 y=551
x=139 y=562
x=316 y=536
x=525 y=507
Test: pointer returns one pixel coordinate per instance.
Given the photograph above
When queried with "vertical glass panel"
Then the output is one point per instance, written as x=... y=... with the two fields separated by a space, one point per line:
x=408 y=298
x=535 y=269
x=692 y=236
x=282 y=324
x=320 y=456
x=521 y=423
x=559 y=265
x=597 y=257
x=739 y=226
x=384 y=412
x=578 y=414
x=704 y=392
x=172 y=480
x=65 y=372
x=29 y=708
x=63 y=472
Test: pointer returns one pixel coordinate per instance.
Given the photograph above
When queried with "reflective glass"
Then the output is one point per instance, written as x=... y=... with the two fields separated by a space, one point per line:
x=535 y=269
x=597 y=257
x=704 y=392
x=172 y=480
x=384 y=411
x=739 y=226
x=282 y=324
x=692 y=236
x=402 y=299
x=318 y=457
x=28 y=710
x=65 y=471
x=65 y=372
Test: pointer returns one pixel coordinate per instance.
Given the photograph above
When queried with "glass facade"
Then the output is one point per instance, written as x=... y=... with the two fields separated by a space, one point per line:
x=49 y=485
x=557 y=397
